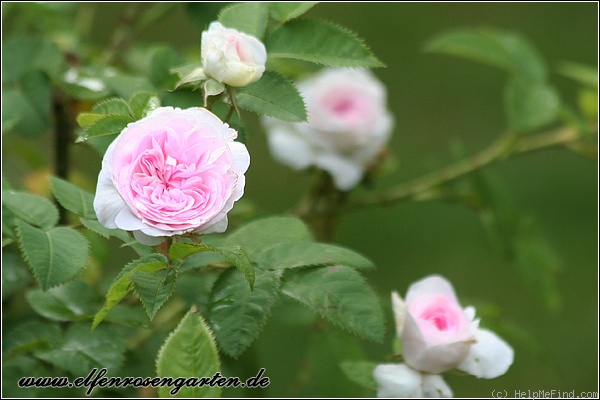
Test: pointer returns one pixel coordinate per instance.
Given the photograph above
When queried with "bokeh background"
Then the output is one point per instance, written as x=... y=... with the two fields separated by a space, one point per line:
x=437 y=101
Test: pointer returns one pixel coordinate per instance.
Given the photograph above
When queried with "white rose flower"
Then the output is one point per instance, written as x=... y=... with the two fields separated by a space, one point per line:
x=399 y=380
x=232 y=57
x=348 y=124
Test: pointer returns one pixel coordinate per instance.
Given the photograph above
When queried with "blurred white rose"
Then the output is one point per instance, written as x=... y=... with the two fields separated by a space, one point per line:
x=348 y=124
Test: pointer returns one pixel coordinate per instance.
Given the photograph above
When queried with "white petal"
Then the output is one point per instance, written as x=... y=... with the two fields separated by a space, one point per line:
x=289 y=148
x=397 y=380
x=108 y=202
x=217 y=227
x=345 y=173
x=433 y=284
x=399 y=312
x=434 y=386
x=128 y=222
x=241 y=158
x=148 y=240
x=489 y=357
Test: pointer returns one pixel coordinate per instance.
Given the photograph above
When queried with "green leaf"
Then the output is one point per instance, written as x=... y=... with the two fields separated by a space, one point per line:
x=194 y=288
x=584 y=74
x=123 y=285
x=360 y=372
x=153 y=288
x=30 y=208
x=274 y=96
x=21 y=55
x=236 y=256
x=55 y=256
x=200 y=260
x=142 y=104
x=237 y=315
x=128 y=316
x=27 y=105
x=95 y=226
x=69 y=302
x=302 y=254
x=86 y=119
x=500 y=49
x=14 y=274
x=256 y=236
x=108 y=125
x=284 y=12
x=320 y=42
x=189 y=73
x=80 y=351
x=179 y=251
x=126 y=85
x=340 y=295
x=73 y=198
x=15 y=369
x=114 y=105
x=250 y=18
x=529 y=104
x=212 y=88
x=189 y=351
x=30 y=336
x=538 y=263
x=163 y=59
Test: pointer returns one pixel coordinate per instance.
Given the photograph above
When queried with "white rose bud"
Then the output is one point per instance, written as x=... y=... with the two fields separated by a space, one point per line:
x=232 y=57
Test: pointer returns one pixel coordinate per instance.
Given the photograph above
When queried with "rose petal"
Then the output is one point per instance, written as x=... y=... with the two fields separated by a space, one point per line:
x=397 y=380
x=217 y=227
x=345 y=173
x=431 y=285
x=108 y=202
x=399 y=309
x=489 y=357
x=148 y=240
x=290 y=149
x=127 y=221
x=434 y=386
x=431 y=359
x=241 y=158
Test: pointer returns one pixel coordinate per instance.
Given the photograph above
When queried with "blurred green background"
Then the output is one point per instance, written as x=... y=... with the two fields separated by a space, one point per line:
x=437 y=101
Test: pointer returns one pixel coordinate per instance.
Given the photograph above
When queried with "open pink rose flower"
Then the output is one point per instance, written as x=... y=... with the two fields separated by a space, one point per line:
x=348 y=125
x=171 y=173
x=438 y=334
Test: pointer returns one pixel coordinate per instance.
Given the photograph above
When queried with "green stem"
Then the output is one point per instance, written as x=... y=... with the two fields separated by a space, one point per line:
x=63 y=137
x=423 y=188
x=233 y=106
x=320 y=208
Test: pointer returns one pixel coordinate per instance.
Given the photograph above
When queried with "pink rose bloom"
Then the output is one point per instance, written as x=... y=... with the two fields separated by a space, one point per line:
x=348 y=124
x=232 y=57
x=439 y=335
x=171 y=173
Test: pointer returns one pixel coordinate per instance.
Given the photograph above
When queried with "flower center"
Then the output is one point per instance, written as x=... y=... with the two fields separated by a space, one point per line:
x=343 y=106
x=440 y=314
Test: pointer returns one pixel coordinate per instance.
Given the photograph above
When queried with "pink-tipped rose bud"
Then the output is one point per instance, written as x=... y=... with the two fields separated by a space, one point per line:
x=439 y=335
x=171 y=173
x=232 y=57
